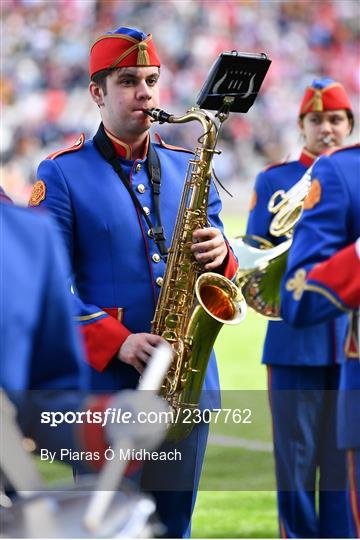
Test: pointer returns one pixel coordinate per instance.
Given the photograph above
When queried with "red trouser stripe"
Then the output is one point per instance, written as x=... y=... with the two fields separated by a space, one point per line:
x=354 y=500
x=282 y=530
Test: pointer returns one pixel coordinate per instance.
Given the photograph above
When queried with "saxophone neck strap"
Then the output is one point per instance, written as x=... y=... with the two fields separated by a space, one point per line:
x=107 y=150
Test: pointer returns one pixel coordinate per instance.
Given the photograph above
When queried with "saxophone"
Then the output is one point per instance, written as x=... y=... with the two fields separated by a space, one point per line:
x=192 y=305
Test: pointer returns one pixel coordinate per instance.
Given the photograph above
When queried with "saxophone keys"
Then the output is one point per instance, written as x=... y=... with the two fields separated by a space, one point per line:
x=172 y=321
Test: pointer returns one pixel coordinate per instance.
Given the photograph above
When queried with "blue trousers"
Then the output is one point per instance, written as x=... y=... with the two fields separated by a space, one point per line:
x=303 y=406
x=174 y=485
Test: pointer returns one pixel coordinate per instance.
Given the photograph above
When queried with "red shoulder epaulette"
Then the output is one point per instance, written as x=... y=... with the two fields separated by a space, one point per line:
x=272 y=165
x=170 y=146
x=76 y=146
x=332 y=151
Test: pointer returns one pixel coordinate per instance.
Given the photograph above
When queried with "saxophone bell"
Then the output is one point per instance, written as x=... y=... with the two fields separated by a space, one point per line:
x=218 y=302
x=220 y=298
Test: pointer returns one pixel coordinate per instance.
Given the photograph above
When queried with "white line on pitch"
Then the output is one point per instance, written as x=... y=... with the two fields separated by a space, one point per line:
x=236 y=442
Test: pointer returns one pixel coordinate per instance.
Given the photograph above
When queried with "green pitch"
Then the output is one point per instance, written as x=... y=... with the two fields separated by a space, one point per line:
x=233 y=513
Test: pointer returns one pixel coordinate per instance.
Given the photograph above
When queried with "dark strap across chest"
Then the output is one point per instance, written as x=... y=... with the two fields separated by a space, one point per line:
x=107 y=150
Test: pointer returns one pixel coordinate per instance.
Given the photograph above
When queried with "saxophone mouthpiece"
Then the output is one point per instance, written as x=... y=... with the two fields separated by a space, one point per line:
x=158 y=115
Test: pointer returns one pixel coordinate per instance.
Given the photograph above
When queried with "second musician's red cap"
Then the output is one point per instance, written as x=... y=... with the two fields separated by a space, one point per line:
x=324 y=95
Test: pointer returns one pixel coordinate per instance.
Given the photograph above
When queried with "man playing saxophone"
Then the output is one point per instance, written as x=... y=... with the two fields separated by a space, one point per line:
x=304 y=363
x=115 y=199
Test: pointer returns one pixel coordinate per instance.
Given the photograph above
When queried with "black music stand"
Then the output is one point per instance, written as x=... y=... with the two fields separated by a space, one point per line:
x=233 y=82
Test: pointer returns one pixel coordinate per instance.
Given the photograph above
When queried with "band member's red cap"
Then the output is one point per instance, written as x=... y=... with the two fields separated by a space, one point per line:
x=324 y=95
x=124 y=47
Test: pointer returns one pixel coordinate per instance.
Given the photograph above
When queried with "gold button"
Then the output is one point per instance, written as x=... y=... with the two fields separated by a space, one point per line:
x=149 y=233
x=141 y=188
x=138 y=167
x=159 y=281
x=146 y=210
x=156 y=257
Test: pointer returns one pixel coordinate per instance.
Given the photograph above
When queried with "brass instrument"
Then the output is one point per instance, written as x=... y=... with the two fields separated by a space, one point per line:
x=192 y=305
x=288 y=206
x=261 y=264
x=261 y=267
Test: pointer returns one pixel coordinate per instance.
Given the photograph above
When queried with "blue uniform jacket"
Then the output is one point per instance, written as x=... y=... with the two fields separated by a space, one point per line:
x=40 y=349
x=323 y=280
x=116 y=265
x=320 y=344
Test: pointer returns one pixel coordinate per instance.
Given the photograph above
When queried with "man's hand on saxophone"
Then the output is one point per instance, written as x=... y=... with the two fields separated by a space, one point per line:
x=137 y=349
x=209 y=248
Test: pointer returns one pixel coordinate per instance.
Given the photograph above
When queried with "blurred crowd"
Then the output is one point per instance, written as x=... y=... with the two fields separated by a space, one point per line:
x=44 y=77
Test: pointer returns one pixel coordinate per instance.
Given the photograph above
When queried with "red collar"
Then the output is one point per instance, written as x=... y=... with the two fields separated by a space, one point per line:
x=123 y=149
x=307 y=158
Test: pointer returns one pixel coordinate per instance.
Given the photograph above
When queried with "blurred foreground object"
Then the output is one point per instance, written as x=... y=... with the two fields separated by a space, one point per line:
x=96 y=507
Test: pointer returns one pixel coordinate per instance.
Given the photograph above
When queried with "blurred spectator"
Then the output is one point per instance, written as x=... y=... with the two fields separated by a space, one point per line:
x=44 y=72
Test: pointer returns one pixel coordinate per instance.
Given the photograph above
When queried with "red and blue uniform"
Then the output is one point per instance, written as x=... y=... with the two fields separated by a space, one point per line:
x=117 y=269
x=116 y=265
x=323 y=281
x=302 y=363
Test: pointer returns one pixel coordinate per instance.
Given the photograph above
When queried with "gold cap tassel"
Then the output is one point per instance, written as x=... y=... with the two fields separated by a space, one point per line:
x=142 y=57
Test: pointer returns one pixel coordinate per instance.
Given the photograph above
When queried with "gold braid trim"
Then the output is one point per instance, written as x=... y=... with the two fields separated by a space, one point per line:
x=126 y=147
x=316 y=100
x=89 y=317
x=297 y=283
x=123 y=55
x=352 y=339
x=116 y=36
x=133 y=48
x=329 y=296
x=332 y=85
